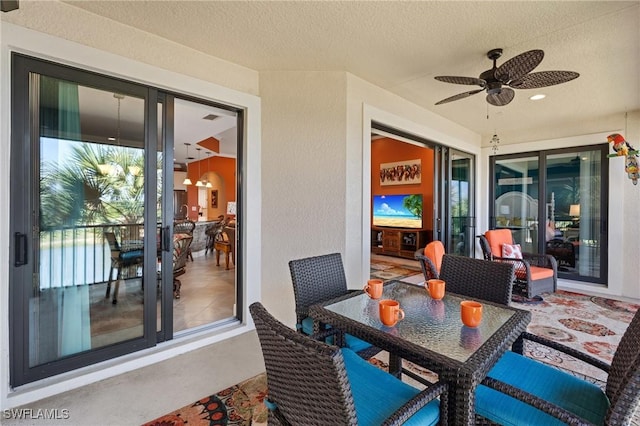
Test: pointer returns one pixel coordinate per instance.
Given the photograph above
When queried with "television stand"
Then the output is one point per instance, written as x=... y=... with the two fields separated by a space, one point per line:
x=399 y=242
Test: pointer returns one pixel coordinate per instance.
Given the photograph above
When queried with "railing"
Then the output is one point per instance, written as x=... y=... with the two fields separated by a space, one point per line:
x=80 y=255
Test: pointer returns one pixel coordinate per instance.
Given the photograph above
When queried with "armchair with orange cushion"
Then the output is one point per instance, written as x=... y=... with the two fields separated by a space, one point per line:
x=535 y=273
x=430 y=258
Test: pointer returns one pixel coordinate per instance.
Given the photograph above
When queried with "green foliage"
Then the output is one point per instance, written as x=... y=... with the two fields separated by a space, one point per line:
x=74 y=192
x=413 y=203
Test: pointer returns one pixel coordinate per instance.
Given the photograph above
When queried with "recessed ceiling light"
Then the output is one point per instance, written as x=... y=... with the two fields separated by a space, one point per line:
x=537 y=97
x=111 y=139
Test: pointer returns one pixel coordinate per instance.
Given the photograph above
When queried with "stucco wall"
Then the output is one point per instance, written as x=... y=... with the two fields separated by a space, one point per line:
x=77 y=25
x=303 y=176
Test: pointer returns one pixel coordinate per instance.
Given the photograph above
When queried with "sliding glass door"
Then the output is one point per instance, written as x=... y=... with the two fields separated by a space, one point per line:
x=555 y=202
x=83 y=219
x=459 y=200
x=100 y=249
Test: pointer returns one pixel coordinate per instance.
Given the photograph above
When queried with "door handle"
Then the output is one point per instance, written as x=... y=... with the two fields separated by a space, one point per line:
x=20 y=249
x=165 y=239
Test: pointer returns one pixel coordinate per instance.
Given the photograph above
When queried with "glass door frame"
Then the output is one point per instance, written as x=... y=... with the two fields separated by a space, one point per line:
x=446 y=179
x=542 y=188
x=25 y=182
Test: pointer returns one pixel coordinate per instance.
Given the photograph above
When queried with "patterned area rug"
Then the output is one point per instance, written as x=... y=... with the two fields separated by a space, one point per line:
x=241 y=404
x=393 y=271
x=587 y=323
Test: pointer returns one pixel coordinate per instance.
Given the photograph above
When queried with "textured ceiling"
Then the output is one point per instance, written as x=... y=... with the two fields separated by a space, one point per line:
x=401 y=46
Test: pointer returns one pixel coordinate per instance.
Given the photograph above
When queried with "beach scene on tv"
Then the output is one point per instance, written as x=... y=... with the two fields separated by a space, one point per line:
x=399 y=211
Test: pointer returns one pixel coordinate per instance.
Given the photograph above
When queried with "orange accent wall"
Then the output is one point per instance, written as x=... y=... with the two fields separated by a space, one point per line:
x=387 y=150
x=210 y=143
x=223 y=166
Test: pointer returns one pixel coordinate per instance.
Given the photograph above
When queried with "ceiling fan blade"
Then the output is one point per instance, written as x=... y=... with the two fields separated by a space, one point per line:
x=461 y=80
x=543 y=79
x=502 y=98
x=459 y=96
x=516 y=67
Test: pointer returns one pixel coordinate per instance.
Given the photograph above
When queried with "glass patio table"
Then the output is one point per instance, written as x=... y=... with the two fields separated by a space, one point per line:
x=431 y=335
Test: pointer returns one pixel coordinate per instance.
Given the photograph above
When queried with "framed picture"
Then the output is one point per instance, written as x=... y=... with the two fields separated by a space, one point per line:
x=400 y=172
x=214 y=199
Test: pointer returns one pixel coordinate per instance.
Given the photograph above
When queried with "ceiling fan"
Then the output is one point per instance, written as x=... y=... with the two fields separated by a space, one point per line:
x=515 y=73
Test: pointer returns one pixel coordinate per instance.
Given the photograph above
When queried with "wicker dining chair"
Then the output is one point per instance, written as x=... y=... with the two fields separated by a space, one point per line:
x=181 y=245
x=430 y=258
x=317 y=279
x=311 y=383
x=544 y=395
x=185 y=227
x=476 y=278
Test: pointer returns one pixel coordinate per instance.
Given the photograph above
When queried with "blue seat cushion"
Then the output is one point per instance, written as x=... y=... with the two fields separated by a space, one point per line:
x=377 y=394
x=578 y=396
x=352 y=343
x=131 y=256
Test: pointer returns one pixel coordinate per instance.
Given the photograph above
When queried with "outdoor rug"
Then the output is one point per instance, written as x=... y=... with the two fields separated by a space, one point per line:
x=587 y=323
x=241 y=404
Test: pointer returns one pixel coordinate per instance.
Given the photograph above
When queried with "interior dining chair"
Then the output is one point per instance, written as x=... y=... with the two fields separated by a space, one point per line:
x=185 y=227
x=311 y=383
x=430 y=258
x=120 y=260
x=317 y=279
x=181 y=245
x=476 y=278
x=535 y=273
x=519 y=390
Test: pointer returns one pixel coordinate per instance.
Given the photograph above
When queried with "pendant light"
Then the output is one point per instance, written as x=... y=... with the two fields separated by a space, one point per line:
x=187 y=181
x=208 y=184
x=107 y=169
x=199 y=182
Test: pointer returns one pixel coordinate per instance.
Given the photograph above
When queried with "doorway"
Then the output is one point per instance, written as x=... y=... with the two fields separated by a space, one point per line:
x=446 y=189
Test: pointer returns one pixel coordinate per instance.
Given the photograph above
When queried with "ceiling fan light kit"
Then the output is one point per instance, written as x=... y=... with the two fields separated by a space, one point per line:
x=499 y=81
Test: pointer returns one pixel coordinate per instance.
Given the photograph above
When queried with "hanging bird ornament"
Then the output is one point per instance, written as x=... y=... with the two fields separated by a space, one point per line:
x=622 y=148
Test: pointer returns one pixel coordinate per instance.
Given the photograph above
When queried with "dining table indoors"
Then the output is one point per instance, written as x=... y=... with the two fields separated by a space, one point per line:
x=431 y=335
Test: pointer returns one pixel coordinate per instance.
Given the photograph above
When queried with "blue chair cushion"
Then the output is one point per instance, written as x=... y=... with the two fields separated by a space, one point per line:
x=131 y=256
x=352 y=343
x=377 y=394
x=571 y=393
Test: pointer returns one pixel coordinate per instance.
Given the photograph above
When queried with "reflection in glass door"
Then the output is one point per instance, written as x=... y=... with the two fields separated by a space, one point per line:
x=516 y=200
x=78 y=274
x=461 y=229
x=575 y=210
x=568 y=221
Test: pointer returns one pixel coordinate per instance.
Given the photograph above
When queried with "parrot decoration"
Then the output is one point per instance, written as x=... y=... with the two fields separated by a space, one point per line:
x=622 y=148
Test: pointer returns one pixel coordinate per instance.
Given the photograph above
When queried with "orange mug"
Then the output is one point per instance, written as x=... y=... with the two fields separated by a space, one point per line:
x=374 y=288
x=390 y=312
x=435 y=288
x=471 y=313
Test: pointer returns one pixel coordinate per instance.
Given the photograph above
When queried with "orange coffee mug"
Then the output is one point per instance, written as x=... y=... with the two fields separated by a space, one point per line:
x=374 y=288
x=390 y=312
x=435 y=288
x=471 y=313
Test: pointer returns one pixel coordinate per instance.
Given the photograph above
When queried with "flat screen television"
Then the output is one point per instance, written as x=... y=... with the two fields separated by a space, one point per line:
x=398 y=210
